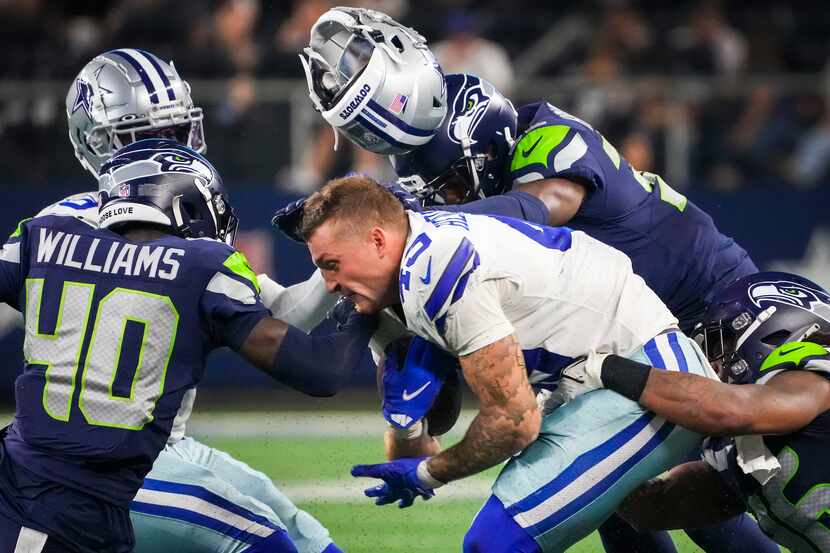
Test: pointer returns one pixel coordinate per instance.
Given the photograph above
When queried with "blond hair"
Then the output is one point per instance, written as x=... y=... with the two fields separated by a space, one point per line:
x=358 y=200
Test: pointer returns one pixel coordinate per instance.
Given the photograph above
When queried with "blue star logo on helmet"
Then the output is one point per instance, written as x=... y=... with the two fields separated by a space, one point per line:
x=83 y=97
x=468 y=109
x=790 y=293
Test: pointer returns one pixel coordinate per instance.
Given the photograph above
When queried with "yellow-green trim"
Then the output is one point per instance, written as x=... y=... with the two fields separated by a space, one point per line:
x=792 y=352
x=238 y=264
x=536 y=146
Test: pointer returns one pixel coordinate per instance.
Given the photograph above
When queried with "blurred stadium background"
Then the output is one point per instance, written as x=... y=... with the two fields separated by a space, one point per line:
x=729 y=101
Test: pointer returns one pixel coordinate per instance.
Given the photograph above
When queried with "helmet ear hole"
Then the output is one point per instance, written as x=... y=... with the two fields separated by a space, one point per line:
x=192 y=212
x=776 y=338
x=396 y=42
x=436 y=102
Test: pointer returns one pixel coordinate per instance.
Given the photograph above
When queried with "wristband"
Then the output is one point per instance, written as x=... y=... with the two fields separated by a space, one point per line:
x=626 y=377
x=425 y=477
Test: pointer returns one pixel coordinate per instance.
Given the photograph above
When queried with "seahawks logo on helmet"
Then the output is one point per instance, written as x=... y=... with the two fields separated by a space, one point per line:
x=83 y=97
x=469 y=107
x=181 y=162
x=791 y=293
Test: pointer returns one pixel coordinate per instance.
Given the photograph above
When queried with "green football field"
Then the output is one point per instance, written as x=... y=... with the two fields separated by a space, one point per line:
x=309 y=456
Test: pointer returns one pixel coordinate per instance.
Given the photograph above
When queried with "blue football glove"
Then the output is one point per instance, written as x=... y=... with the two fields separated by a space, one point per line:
x=400 y=481
x=288 y=219
x=409 y=390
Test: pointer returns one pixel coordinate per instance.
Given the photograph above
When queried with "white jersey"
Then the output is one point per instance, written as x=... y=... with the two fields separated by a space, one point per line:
x=467 y=281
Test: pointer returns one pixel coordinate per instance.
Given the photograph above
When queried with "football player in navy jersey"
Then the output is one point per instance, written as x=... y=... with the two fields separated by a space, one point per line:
x=119 y=320
x=768 y=335
x=119 y=97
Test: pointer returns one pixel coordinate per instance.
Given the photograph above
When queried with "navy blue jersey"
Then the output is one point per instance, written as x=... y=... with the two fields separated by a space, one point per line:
x=116 y=333
x=672 y=244
x=793 y=507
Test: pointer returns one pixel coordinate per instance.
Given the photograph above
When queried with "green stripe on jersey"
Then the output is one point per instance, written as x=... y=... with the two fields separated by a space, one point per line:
x=536 y=146
x=238 y=264
x=18 y=231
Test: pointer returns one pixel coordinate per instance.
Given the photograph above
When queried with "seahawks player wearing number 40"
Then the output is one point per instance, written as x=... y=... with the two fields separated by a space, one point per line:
x=119 y=321
x=119 y=97
x=768 y=335
x=495 y=292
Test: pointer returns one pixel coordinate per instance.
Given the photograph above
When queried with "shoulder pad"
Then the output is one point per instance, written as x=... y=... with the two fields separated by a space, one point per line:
x=82 y=206
x=536 y=145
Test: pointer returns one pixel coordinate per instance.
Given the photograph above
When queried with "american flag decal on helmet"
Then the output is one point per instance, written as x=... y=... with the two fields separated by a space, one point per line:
x=398 y=104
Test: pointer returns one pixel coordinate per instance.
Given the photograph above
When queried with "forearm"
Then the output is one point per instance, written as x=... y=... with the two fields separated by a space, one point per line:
x=491 y=439
x=519 y=205
x=314 y=365
x=698 y=403
x=398 y=446
x=508 y=419
x=705 y=405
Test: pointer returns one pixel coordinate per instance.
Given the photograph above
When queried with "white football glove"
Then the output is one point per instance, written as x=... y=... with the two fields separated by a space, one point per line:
x=582 y=376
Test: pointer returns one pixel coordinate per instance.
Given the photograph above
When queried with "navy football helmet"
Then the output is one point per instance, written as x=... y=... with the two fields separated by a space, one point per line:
x=161 y=182
x=756 y=314
x=470 y=149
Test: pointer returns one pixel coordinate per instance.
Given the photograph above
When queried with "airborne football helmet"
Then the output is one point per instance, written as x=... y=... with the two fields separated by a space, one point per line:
x=470 y=149
x=161 y=182
x=753 y=316
x=126 y=95
x=374 y=80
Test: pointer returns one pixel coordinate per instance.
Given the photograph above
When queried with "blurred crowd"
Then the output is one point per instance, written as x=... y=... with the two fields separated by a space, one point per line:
x=736 y=88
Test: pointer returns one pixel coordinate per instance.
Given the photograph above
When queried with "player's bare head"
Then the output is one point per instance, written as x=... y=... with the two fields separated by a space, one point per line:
x=356 y=230
x=354 y=204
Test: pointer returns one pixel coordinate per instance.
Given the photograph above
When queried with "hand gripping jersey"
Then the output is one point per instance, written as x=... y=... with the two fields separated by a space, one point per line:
x=672 y=244
x=469 y=280
x=116 y=336
x=793 y=507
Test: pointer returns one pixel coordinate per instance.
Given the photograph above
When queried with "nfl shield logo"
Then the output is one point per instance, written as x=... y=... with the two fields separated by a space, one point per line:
x=123 y=190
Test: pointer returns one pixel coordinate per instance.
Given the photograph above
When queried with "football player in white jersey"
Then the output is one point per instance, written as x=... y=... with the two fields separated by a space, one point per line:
x=516 y=303
x=212 y=502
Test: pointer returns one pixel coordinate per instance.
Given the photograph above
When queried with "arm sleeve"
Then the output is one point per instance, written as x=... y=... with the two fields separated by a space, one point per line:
x=516 y=204
x=231 y=303
x=322 y=365
x=303 y=305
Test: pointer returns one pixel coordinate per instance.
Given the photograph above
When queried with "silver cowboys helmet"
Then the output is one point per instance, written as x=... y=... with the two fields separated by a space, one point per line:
x=126 y=95
x=374 y=80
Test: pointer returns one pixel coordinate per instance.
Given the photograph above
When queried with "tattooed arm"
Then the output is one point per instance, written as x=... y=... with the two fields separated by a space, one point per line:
x=508 y=419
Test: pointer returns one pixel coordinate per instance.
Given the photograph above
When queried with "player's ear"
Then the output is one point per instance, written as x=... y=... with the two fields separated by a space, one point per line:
x=379 y=241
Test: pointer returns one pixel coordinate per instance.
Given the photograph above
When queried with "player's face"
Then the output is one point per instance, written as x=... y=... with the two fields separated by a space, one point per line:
x=357 y=264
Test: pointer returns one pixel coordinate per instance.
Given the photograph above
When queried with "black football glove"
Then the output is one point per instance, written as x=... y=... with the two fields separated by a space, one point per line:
x=288 y=219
